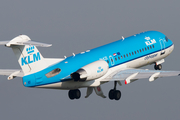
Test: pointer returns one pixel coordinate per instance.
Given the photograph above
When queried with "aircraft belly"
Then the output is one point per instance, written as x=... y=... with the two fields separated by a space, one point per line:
x=69 y=85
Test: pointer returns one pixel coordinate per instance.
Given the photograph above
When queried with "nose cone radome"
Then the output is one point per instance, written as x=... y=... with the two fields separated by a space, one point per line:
x=172 y=47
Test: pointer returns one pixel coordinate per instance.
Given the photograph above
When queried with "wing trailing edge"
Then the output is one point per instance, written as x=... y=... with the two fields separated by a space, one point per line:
x=130 y=75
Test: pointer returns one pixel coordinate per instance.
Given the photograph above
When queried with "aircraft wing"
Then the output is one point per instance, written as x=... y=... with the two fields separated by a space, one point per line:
x=130 y=75
x=11 y=73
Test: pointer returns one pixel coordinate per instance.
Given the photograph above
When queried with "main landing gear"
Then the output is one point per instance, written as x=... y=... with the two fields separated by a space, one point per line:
x=114 y=94
x=158 y=67
x=74 y=94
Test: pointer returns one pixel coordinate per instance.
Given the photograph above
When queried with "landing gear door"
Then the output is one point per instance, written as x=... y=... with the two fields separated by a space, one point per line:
x=162 y=44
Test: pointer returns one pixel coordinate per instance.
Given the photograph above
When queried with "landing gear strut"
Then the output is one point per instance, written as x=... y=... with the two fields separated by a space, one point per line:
x=158 y=67
x=114 y=94
x=74 y=94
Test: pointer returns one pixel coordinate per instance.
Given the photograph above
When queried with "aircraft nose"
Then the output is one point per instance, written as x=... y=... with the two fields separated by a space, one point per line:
x=172 y=47
x=170 y=43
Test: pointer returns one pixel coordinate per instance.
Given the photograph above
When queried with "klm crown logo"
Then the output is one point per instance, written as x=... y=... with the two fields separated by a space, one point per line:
x=30 y=49
x=147 y=38
x=30 y=58
x=99 y=70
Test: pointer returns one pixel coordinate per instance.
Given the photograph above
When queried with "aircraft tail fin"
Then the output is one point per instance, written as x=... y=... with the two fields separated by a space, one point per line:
x=29 y=58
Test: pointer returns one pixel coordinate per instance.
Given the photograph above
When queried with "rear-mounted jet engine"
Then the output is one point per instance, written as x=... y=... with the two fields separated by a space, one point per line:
x=91 y=71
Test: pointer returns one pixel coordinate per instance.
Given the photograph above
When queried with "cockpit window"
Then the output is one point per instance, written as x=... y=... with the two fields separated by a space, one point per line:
x=53 y=73
x=166 y=39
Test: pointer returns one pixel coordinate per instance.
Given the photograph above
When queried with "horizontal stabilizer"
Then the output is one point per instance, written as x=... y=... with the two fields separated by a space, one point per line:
x=33 y=44
x=23 y=40
x=3 y=42
x=11 y=73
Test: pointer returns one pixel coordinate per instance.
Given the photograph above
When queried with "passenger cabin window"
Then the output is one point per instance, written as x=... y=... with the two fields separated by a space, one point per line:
x=53 y=73
x=143 y=50
x=166 y=39
x=108 y=61
x=153 y=46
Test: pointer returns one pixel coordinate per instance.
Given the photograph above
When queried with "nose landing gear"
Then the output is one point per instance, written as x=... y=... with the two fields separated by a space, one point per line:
x=158 y=67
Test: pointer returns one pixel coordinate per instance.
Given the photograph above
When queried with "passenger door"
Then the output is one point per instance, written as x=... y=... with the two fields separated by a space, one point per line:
x=111 y=60
x=163 y=45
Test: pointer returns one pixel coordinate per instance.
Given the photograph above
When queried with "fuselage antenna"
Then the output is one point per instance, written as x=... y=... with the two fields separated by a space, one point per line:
x=122 y=37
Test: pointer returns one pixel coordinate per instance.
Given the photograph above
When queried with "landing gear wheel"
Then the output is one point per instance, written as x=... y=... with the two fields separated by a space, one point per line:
x=117 y=95
x=74 y=94
x=71 y=94
x=114 y=94
x=77 y=93
x=158 y=67
x=155 y=67
x=111 y=94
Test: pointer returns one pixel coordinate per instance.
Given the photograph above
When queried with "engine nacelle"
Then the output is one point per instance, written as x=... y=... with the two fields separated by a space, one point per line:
x=91 y=71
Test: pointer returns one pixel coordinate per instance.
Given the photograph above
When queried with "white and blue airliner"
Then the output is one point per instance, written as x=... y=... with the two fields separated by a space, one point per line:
x=118 y=61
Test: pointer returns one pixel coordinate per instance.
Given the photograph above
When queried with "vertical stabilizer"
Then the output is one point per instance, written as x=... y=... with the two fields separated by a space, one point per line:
x=29 y=58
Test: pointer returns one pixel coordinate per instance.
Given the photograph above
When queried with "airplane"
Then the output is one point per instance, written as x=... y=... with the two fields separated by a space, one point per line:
x=117 y=61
